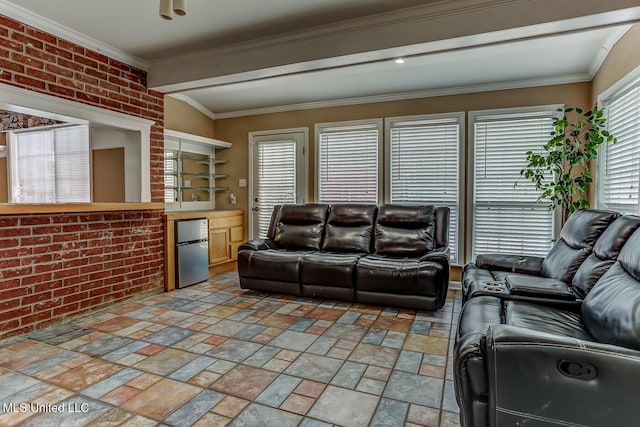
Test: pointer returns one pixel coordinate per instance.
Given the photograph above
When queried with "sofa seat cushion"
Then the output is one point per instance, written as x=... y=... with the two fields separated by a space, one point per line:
x=546 y=319
x=275 y=264
x=330 y=269
x=531 y=286
x=408 y=276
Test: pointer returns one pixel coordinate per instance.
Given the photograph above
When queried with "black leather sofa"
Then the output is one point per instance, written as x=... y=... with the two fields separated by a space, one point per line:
x=391 y=254
x=589 y=244
x=564 y=348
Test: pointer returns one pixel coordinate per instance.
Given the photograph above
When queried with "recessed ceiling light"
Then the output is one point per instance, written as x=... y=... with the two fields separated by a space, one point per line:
x=399 y=61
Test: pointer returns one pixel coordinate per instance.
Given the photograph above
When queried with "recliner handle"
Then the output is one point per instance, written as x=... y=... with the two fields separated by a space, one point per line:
x=579 y=370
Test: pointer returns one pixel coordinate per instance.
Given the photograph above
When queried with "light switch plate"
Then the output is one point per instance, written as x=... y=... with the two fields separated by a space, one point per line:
x=242 y=183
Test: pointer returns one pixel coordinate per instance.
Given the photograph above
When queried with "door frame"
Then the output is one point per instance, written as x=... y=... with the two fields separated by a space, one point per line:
x=304 y=165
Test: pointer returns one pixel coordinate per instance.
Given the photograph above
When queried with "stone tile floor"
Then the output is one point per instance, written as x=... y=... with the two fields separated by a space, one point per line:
x=213 y=355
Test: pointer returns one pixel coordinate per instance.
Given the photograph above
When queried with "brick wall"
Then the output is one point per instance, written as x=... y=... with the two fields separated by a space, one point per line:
x=56 y=266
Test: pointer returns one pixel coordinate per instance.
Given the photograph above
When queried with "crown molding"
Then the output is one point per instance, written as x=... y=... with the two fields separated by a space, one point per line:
x=195 y=104
x=29 y=18
x=608 y=44
x=458 y=90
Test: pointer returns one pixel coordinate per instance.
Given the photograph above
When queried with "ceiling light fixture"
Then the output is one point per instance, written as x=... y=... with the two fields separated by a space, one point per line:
x=399 y=61
x=180 y=7
x=169 y=7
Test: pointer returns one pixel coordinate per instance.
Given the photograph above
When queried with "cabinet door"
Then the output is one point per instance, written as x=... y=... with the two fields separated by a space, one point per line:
x=218 y=245
x=236 y=235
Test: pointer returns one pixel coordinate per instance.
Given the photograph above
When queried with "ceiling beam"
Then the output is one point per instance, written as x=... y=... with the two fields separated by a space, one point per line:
x=434 y=27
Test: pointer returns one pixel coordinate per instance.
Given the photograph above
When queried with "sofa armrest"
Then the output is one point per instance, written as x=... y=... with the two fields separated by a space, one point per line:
x=538 y=287
x=257 y=245
x=523 y=264
x=440 y=254
x=535 y=377
x=437 y=261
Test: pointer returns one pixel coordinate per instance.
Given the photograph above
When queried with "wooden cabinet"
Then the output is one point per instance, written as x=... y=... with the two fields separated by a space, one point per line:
x=226 y=233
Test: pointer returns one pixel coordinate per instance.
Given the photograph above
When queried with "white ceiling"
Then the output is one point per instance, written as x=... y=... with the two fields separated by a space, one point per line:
x=134 y=31
x=515 y=64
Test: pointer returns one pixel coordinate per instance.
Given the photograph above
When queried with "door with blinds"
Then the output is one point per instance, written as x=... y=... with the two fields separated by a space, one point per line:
x=278 y=174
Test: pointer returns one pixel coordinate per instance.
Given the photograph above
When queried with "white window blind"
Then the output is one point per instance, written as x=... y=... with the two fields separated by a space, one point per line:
x=275 y=180
x=619 y=168
x=507 y=218
x=348 y=169
x=50 y=166
x=425 y=166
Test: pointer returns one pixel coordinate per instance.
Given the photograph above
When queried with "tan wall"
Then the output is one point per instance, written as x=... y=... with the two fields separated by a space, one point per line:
x=236 y=130
x=182 y=117
x=623 y=58
x=108 y=176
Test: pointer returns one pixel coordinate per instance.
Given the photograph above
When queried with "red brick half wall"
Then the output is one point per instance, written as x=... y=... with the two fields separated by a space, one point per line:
x=56 y=266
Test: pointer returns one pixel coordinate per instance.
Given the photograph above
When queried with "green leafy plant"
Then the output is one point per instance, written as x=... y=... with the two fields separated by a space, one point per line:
x=561 y=172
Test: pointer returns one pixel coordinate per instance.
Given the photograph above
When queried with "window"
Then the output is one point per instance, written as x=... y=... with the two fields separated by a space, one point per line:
x=348 y=162
x=117 y=129
x=506 y=216
x=50 y=166
x=618 y=174
x=423 y=155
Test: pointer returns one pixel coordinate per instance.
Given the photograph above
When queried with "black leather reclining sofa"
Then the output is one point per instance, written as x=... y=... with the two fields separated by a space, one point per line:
x=391 y=255
x=555 y=340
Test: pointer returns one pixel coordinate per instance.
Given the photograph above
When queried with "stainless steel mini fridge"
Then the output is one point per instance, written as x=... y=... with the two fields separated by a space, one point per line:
x=192 y=252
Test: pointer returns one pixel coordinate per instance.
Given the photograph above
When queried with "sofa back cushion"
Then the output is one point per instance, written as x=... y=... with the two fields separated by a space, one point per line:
x=405 y=230
x=349 y=228
x=301 y=226
x=611 y=311
x=605 y=252
x=577 y=237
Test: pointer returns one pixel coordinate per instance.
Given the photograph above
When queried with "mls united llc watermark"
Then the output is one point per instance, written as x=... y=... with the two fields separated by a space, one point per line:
x=68 y=407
